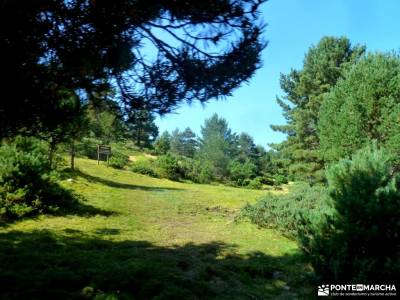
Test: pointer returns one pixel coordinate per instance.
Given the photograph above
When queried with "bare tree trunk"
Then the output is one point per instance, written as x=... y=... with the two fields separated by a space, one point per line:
x=73 y=155
x=52 y=150
x=138 y=138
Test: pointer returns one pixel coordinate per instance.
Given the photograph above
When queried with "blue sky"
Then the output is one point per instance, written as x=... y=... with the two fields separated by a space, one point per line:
x=293 y=26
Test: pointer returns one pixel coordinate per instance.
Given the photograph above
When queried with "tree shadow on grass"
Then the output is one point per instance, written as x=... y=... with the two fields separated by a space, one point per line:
x=69 y=203
x=45 y=265
x=118 y=185
x=75 y=204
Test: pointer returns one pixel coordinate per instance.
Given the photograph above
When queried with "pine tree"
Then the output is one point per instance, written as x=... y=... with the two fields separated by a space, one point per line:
x=183 y=143
x=105 y=121
x=304 y=89
x=142 y=128
x=358 y=241
x=190 y=143
x=163 y=143
x=363 y=107
x=218 y=145
x=202 y=50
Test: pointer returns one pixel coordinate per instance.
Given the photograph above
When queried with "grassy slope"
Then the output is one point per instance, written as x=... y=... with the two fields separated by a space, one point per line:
x=147 y=238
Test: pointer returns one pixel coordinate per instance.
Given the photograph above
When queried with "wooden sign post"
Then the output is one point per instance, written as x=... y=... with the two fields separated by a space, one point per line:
x=101 y=149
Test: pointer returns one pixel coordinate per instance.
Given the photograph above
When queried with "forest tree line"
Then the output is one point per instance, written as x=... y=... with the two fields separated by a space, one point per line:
x=342 y=100
x=342 y=112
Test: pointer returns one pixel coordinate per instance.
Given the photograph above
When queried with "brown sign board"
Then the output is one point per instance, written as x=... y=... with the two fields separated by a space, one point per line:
x=104 y=149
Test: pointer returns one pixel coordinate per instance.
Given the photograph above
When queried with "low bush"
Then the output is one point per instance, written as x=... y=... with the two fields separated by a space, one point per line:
x=266 y=180
x=359 y=241
x=195 y=170
x=144 y=167
x=285 y=212
x=255 y=184
x=239 y=171
x=205 y=173
x=87 y=148
x=118 y=160
x=167 y=166
x=188 y=168
x=280 y=179
x=27 y=183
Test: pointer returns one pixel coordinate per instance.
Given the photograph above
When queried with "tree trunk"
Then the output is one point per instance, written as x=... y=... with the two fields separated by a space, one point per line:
x=73 y=155
x=138 y=138
x=52 y=150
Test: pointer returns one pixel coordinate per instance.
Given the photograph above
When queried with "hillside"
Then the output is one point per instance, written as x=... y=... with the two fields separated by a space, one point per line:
x=140 y=237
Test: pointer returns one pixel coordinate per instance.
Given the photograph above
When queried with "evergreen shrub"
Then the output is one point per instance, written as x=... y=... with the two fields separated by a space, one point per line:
x=359 y=241
x=27 y=183
x=144 y=167
x=118 y=160
x=285 y=212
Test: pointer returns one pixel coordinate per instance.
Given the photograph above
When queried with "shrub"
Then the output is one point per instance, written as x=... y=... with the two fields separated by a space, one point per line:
x=144 y=167
x=359 y=241
x=284 y=212
x=204 y=172
x=188 y=168
x=255 y=184
x=167 y=166
x=280 y=179
x=266 y=180
x=118 y=160
x=87 y=148
x=195 y=170
x=239 y=171
x=27 y=184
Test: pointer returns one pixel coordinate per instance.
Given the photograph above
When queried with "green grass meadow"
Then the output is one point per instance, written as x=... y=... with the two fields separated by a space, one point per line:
x=137 y=237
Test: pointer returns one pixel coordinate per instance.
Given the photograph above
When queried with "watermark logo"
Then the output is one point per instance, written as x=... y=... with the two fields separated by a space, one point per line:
x=357 y=290
x=323 y=290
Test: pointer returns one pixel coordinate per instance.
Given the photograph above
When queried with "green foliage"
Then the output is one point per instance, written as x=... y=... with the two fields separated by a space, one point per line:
x=205 y=172
x=158 y=232
x=238 y=171
x=105 y=121
x=359 y=241
x=27 y=184
x=280 y=179
x=363 y=107
x=87 y=147
x=142 y=128
x=167 y=166
x=217 y=146
x=162 y=143
x=323 y=66
x=190 y=169
x=285 y=212
x=118 y=160
x=219 y=155
x=183 y=143
x=106 y=51
x=145 y=167
x=255 y=184
x=266 y=180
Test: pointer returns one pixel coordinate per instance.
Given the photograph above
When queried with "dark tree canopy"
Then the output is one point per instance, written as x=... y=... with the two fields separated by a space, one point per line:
x=155 y=54
x=142 y=128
